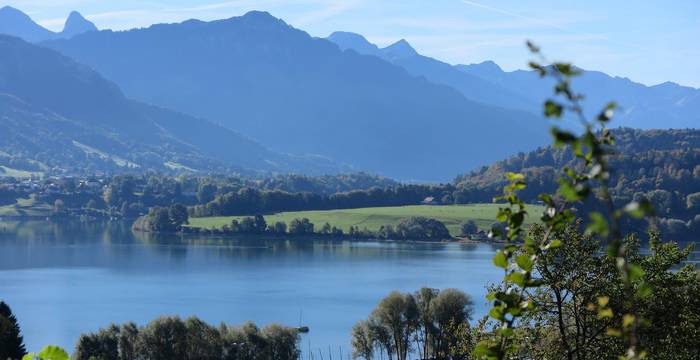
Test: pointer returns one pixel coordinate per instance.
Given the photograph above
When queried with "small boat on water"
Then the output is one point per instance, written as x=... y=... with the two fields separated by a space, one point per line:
x=302 y=329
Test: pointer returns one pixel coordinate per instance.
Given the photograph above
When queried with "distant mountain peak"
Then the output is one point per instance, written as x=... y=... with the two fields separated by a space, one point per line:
x=400 y=49
x=259 y=15
x=16 y=23
x=77 y=24
x=349 y=40
x=347 y=35
x=260 y=18
x=9 y=10
x=488 y=64
x=666 y=84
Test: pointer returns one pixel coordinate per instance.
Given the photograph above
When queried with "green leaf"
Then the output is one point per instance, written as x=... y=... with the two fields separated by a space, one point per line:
x=635 y=272
x=525 y=262
x=552 y=109
x=554 y=244
x=497 y=312
x=566 y=69
x=644 y=290
x=598 y=225
x=517 y=219
x=562 y=137
x=547 y=199
x=572 y=192
x=532 y=47
x=538 y=68
x=487 y=351
x=516 y=278
x=29 y=356
x=605 y=313
x=504 y=331
x=53 y=352
x=513 y=177
x=510 y=247
x=500 y=259
x=535 y=283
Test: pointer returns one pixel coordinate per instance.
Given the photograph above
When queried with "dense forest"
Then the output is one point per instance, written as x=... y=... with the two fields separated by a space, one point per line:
x=248 y=201
x=662 y=166
x=129 y=196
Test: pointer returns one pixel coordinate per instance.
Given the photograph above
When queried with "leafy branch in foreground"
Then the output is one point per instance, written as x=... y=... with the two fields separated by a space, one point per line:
x=593 y=146
x=50 y=352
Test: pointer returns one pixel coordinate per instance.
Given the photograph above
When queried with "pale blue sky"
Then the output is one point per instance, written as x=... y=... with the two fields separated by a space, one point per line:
x=648 y=41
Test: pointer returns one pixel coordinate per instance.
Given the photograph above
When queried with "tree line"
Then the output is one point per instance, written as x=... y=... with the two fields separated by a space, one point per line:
x=165 y=338
x=248 y=201
x=168 y=338
x=172 y=219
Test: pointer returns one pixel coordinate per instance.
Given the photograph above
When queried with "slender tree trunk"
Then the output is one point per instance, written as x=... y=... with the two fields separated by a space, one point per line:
x=577 y=320
x=562 y=326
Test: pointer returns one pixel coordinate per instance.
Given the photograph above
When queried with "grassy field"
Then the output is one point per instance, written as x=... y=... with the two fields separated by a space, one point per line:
x=9 y=172
x=26 y=207
x=372 y=218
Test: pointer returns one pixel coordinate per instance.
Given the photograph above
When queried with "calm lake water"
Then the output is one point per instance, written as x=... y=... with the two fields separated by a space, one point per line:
x=64 y=279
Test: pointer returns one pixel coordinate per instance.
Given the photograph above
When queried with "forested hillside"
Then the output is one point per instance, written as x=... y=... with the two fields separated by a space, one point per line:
x=660 y=165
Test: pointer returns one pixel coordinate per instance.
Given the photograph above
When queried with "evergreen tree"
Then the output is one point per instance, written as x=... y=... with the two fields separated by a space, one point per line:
x=11 y=342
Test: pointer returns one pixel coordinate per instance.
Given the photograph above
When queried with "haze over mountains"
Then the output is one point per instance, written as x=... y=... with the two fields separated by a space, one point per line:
x=666 y=105
x=387 y=110
x=298 y=94
x=16 y=23
x=401 y=53
x=60 y=114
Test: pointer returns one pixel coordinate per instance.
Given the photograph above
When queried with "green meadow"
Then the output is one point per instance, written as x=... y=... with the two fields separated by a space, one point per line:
x=372 y=218
x=26 y=207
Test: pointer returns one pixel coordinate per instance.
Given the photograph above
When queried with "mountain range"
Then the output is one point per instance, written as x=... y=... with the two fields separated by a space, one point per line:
x=666 y=105
x=342 y=99
x=300 y=94
x=63 y=115
x=16 y=23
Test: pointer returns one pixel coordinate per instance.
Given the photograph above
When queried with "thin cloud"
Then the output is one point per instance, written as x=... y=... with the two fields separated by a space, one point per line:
x=330 y=10
x=211 y=6
x=512 y=14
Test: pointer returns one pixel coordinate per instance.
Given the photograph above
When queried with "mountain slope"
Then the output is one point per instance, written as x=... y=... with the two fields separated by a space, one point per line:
x=401 y=53
x=16 y=23
x=666 y=105
x=662 y=106
x=298 y=94
x=70 y=118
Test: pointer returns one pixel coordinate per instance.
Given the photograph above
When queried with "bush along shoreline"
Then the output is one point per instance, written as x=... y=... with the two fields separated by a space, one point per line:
x=173 y=220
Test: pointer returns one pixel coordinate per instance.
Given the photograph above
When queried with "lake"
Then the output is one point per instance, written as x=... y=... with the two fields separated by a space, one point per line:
x=64 y=279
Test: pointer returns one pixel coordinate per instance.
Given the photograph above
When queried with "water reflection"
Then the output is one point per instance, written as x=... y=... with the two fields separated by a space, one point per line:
x=82 y=276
